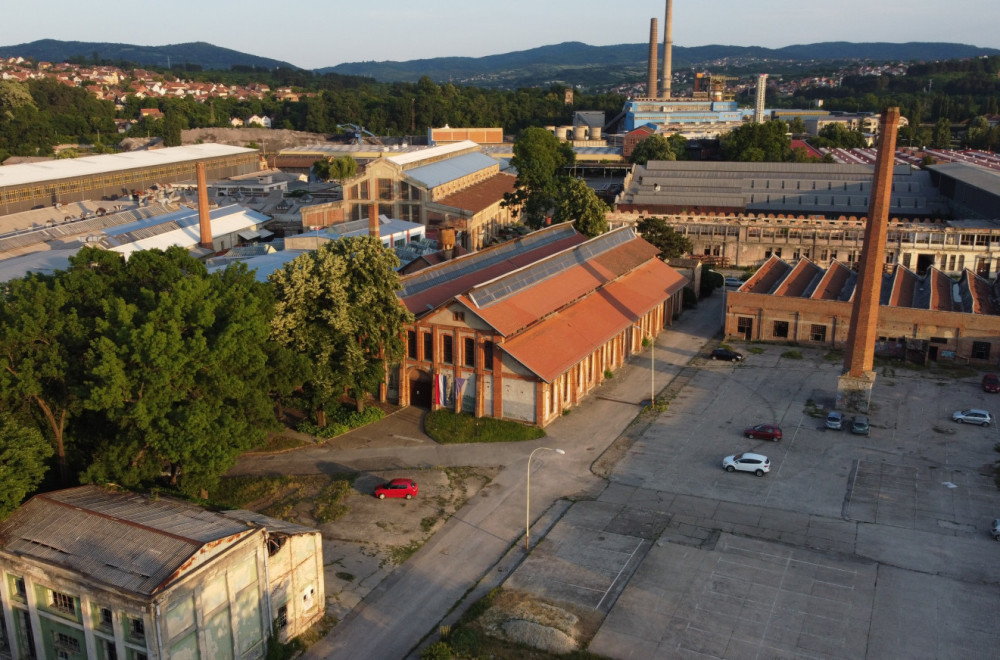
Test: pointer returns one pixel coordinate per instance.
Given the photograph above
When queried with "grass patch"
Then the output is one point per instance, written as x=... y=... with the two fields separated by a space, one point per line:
x=756 y=350
x=400 y=553
x=278 y=442
x=834 y=356
x=345 y=576
x=448 y=428
x=792 y=355
x=329 y=504
x=427 y=524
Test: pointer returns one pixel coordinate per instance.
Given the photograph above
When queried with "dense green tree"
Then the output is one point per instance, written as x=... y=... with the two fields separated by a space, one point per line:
x=578 y=203
x=539 y=157
x=23 y=456
x=980 y=135
x=796 y=126
x=338 y=307
x=14 y=95
x=41 y=339
x=654 y=147
x=941 y=136
x=343 y=168
x=838 y=135
x=176 y=369
x=757 y=142
x=671 y=243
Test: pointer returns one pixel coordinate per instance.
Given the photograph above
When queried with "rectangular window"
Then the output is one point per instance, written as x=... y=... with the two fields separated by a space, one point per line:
x=385 y=189
x=817 y=332
x=282 y=617
x=980 y=350
x=63 y=602
x=447 y=355
x=428 y=346
x=19 y=589
x=411 y=344
x=781 y=329
x=110 y=650
x=488 y=355
x=939 y=340
x=68 y=643
x=137 y=628
x=459 y=317
x=106 y=620
x=469 y=352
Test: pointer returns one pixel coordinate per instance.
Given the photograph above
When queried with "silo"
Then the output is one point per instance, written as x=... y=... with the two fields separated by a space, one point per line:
x=579 y=133
x=561 y=132
x=595 y=132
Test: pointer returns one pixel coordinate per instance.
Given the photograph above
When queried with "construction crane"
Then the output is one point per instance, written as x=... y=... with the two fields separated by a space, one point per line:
x=359 y=133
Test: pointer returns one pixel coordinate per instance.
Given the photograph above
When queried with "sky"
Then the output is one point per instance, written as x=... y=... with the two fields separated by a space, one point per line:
x=318 y=34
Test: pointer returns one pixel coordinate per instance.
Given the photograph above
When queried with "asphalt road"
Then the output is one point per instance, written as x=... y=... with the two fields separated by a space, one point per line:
x=484 y=538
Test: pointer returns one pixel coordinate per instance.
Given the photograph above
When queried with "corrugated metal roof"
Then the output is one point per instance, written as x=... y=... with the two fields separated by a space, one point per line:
x=432 y=152
x=445 y=171
x=124 y=540
x=66 y=168
x=973 y=175
x=180 y=228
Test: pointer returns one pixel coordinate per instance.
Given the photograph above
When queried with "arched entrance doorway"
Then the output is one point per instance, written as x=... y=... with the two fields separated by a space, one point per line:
x=421 y=389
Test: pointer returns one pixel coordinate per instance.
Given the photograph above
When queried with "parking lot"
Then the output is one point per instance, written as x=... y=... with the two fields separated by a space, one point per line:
x=851 y=546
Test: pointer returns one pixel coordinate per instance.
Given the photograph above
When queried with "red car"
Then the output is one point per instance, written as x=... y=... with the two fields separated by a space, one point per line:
x=764 y=432
x=991 y=383
x=397 y=488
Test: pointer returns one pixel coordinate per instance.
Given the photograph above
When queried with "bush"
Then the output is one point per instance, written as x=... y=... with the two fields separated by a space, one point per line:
x=448 y=428
x=608 y=374
x=436 y=651
x=341 y=419
x=465 y=642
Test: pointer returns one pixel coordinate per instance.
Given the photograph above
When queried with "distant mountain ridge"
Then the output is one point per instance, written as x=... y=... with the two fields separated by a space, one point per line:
x=574 y=61
x=203 y=54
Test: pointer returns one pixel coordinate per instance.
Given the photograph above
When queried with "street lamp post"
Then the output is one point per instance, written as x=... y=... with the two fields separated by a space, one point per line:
x=527 y=499
x=652 y=367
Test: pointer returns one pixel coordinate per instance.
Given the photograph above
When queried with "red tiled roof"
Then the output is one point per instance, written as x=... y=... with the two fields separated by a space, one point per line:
x=524 y=307
x=482 y=195
x=562 y=340
x=802 y=144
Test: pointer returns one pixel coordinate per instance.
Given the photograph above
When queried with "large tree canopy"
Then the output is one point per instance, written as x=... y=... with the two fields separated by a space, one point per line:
x=539 y=157
x=579 y=204
x=671 y=243
x=757 y=142
x=23 y=455
x=338 y=307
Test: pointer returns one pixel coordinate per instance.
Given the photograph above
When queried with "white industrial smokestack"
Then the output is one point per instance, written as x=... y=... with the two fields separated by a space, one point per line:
x=668 y=45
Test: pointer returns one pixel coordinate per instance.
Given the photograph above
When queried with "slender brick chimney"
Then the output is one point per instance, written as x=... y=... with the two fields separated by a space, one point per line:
x=652 y=73
x=373 y=229
x=204 y=223
x=858 y=379
x=668 y=47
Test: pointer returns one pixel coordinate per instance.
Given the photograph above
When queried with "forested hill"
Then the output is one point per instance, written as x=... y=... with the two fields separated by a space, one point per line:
x=578 y=63
x=199 y=54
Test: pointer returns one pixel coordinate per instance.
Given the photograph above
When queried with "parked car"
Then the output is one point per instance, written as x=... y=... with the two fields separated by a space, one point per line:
x=972 y=416
x=397 y=488
x=734 y=281
x=991 y=383
x=763 y=432
x=747 y=462
x=859 y=425
x=726 y=354
x=995 y=530
x=835 y=420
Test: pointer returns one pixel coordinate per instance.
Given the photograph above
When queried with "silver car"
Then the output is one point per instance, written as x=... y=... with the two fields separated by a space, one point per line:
x=835 y=420
x=972 y=416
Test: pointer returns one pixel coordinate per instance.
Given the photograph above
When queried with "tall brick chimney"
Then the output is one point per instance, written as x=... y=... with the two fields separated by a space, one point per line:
x=652 y=72
x=204 y=223
x=854 y=388
x=373 y=229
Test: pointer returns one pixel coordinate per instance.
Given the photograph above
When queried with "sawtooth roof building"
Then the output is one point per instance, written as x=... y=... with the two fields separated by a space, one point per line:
x=920 y=317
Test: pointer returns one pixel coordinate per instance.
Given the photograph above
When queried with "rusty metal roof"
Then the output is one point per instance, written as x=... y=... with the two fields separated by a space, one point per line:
x=124 y=540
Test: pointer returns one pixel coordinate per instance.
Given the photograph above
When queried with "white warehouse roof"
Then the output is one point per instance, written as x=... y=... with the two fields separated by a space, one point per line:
x=67 y=168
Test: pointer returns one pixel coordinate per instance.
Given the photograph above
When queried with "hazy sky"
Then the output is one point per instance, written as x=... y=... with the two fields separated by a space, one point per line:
x=326 y=33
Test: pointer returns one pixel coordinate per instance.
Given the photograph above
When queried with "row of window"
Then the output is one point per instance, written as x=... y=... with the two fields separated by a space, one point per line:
x=448 y=355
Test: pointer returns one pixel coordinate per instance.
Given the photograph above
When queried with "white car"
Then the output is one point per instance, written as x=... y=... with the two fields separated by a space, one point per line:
x=972 y=416
x=734 y=282
x=747 y=462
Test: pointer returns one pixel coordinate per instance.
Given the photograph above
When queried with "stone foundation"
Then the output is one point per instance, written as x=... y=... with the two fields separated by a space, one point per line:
x=855 y=393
